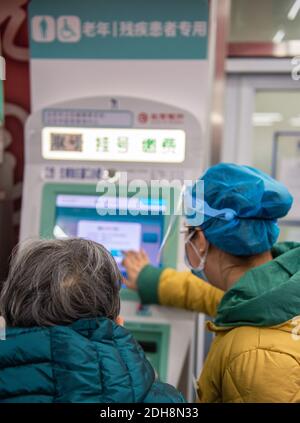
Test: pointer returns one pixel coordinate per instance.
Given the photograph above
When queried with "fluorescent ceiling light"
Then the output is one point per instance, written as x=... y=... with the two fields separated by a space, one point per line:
x=264 y=124
x=266 y=119
x=279 y=36
x=293 y=12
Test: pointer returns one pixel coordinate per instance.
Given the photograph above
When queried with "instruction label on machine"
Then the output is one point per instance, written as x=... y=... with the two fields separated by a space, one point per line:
x=129 y=145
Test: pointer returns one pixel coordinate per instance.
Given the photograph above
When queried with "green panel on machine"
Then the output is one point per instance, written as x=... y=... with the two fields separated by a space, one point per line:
x=154 y=339
x=64 y=215
x=71 y=210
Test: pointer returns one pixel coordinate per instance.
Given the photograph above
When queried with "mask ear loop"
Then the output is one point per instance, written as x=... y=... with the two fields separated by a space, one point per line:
x=189 y=242
x=171 y=224
x=202 y=259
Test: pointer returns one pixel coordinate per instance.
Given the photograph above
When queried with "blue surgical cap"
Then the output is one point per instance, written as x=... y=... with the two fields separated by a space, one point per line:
x=240 y=208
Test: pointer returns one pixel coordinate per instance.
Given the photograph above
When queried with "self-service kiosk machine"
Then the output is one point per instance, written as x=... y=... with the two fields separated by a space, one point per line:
x=78 y=155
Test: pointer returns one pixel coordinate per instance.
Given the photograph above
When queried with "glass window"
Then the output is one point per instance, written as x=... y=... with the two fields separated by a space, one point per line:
x=276 y=146
x=265 y=28
x=265 y=20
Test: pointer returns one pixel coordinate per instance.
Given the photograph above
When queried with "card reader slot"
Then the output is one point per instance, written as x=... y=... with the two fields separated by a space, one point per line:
x=148 y=346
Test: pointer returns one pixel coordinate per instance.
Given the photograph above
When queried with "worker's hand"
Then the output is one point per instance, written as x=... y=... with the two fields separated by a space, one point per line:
x=134 y=262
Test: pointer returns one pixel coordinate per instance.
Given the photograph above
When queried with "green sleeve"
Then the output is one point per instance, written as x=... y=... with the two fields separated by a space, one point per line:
x=148 y=283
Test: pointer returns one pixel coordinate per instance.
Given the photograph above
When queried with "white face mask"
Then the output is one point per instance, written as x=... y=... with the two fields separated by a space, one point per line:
x=198 y=270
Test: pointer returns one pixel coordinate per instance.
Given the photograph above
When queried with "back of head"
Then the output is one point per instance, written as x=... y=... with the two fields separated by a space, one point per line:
x=241 y=208
x=56 y=282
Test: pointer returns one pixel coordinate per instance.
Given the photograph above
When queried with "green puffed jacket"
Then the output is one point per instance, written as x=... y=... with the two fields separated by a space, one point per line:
x=91 y=360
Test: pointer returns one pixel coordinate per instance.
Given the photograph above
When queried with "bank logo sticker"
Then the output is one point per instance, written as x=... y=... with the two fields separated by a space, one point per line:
x=43 y=29
x=143 y=117
x=69 y=29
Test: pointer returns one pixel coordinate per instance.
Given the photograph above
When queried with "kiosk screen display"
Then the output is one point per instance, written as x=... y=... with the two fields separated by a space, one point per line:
x=114 y=223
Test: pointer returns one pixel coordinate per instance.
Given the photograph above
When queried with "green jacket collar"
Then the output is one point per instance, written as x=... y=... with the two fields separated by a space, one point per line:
x=267 y=295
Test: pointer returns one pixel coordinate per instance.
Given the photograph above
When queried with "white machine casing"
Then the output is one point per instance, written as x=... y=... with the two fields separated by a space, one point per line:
x=184 y=330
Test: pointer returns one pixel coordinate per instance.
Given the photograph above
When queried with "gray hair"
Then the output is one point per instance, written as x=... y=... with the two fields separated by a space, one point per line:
x=54 y=282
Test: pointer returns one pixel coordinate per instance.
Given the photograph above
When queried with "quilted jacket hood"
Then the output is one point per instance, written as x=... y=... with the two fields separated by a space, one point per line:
x=267 y=295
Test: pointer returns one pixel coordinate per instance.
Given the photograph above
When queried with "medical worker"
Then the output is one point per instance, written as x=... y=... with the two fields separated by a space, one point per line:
x=253 y=291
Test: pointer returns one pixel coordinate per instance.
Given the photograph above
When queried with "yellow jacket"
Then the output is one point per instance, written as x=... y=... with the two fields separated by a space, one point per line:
x=255 y=355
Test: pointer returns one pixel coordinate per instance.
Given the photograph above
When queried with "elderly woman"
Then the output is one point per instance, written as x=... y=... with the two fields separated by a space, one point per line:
x=254 y=290
x=63 y=342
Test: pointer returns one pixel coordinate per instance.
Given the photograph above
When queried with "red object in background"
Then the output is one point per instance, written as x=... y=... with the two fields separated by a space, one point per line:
x=143 y=117
x=14 y=41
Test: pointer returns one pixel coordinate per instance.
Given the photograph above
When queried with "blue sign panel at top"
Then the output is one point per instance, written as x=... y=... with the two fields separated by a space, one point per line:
x=119 y=29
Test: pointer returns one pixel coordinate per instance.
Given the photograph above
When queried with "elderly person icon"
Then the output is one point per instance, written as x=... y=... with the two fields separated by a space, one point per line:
x=244 y=280
x=64 y=342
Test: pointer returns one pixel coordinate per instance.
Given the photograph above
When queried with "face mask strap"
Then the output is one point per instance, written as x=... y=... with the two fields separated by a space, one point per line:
x=202 y=259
